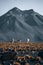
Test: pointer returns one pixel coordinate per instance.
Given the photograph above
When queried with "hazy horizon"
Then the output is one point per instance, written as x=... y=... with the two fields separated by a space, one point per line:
x=36 y=5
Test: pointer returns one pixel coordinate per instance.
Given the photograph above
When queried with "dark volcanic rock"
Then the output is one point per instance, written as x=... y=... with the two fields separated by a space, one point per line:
x=41 y=54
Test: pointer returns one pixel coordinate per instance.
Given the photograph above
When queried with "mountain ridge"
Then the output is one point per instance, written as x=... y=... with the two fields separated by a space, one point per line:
x=20 y=24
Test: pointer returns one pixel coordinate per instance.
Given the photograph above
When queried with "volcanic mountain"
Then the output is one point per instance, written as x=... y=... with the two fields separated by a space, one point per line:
x=17 y=24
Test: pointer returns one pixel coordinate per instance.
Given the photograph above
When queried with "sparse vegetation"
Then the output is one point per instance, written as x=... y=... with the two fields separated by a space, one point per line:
x=22 y=45
x=21 y=53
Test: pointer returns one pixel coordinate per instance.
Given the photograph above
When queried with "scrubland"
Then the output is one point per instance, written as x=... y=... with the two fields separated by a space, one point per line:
x=21 y=53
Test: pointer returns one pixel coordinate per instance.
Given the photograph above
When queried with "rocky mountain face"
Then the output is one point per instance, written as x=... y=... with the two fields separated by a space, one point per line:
x=17 y=24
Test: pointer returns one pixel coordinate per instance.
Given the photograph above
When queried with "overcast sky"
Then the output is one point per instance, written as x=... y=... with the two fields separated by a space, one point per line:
x=6 y=5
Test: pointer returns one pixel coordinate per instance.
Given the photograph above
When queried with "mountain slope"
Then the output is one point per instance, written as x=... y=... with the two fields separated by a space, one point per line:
x=19 y=24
